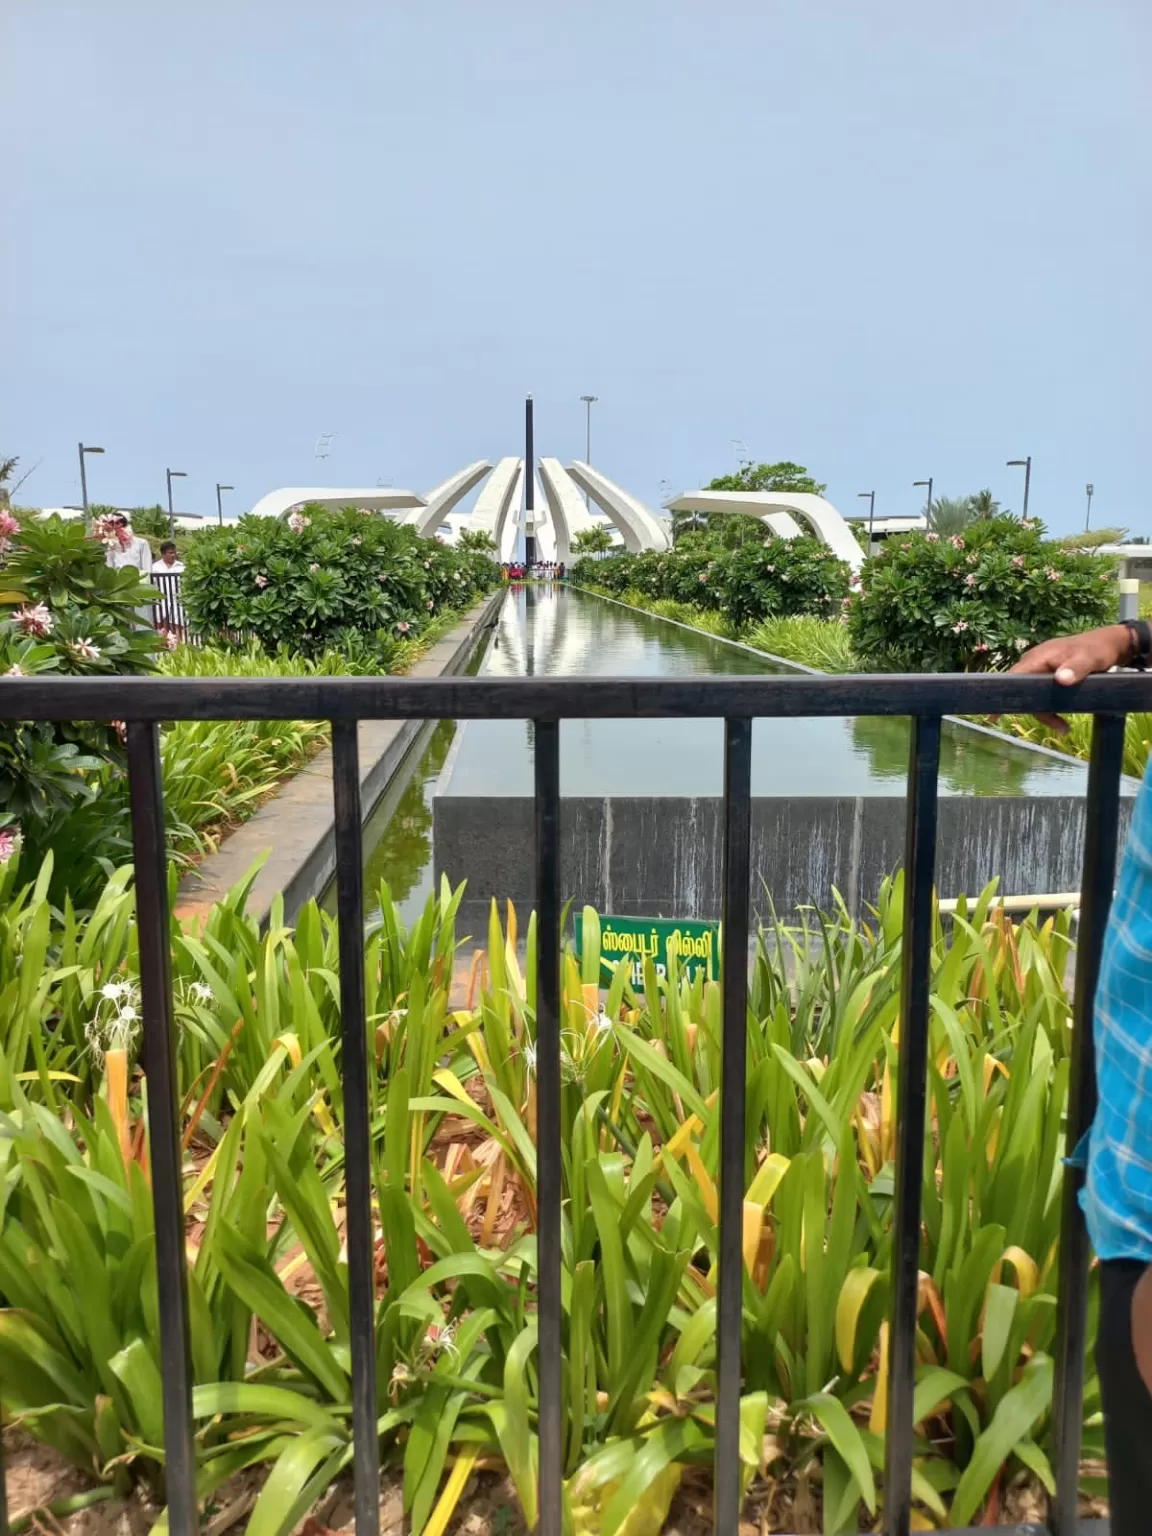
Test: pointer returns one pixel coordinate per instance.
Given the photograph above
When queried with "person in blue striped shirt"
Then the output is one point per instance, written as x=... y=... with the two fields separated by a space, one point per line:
x=1117 y=1194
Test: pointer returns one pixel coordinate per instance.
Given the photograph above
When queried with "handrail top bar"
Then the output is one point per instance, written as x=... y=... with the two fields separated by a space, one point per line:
x=581 y=698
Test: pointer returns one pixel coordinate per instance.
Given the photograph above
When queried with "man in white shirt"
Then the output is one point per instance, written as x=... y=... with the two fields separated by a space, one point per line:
x=170 y=564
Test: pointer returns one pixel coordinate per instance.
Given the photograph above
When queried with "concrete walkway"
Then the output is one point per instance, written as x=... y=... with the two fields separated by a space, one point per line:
x=295 y=828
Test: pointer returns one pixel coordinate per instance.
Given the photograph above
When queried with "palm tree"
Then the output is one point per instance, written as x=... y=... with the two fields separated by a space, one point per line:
x=984 y=505
x=950 y=515
x=592 y=541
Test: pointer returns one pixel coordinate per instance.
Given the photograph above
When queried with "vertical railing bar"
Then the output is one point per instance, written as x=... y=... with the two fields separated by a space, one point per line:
x=734 y=1059
x=911 y=1105
x=357 y=1134
x=164 y=1145
x=548 y=1134
x=1101 y=836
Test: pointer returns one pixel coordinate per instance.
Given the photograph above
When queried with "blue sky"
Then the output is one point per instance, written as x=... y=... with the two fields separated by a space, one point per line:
x=886 y=240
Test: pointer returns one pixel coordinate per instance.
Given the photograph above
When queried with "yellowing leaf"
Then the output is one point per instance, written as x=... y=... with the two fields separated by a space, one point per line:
x=854 y=1293
x=878 y=1417
x=450 y=1496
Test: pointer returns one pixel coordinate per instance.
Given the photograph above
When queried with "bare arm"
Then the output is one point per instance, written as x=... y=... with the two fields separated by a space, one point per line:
x=1071 y=659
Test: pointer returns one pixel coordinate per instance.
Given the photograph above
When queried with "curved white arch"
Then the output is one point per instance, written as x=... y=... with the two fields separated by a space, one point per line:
x=496 y=501
x=440 y=500
x=376 y=498
x=510 y=538
x=566 y=510
x=821 y=516
x=641 y=528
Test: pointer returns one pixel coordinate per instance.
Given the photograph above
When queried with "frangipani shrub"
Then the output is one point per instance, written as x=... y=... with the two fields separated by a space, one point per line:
x=975 y=600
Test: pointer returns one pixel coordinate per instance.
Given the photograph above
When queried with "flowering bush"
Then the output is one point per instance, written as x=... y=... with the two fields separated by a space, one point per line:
x=975 y=600
x=776 y=578
x=317 y=579
x=62 y=610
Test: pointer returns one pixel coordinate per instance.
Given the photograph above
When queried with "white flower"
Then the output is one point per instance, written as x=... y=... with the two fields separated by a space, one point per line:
x=15 y=670
x=201 y=992
x=35 y=621
x=933 y=538
x=1020 y=645
x=84 y=650
x=261 y=581
x=170 y=640
x=115 y=990
x=960 y=626
x=298 y=522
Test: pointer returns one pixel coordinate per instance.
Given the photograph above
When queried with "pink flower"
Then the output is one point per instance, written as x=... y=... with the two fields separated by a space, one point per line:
x=1052 y=574
x=981 y=646
x=261 y=581
x=403 y=627
x=933 y=538
x=960 y=626
x=1018 y=562
x=298 y=522
x=956 y=541
x=112 y=535
x=8 y=524
x=15 y=670
x=8 y=837
x=970 y=579
x=36 y=621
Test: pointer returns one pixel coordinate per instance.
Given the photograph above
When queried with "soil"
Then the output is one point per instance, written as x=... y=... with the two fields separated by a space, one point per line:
x=37 y=1476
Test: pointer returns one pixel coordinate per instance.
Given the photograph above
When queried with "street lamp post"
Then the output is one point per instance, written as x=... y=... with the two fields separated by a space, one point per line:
x=928 y=483
x=1090 y=491
x=589 y=402
x=871 y=495
x=84 y=482
x=1026 y=466
x=173 y=474
x=219 y=503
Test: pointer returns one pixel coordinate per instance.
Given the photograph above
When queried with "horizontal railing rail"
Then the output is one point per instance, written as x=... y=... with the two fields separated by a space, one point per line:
x=554 y=698
x=145 y=702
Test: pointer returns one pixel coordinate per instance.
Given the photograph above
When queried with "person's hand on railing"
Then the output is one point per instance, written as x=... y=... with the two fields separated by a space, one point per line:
x=1072 y=658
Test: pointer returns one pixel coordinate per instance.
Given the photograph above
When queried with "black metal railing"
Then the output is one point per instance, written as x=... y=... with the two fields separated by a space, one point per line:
x=147 y=702
x=168 y=613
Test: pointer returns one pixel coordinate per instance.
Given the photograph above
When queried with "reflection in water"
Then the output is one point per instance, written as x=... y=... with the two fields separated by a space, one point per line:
x=965 y=765
x=565 y=632
x=403 y=855
x=559 y=631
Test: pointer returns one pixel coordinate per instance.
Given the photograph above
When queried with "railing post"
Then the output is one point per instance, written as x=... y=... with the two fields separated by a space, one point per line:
x=1101 y=834
x=357 y=1133
x=549 y=1139
x=152 y=928
x=911 y=1108
x=734 y=1063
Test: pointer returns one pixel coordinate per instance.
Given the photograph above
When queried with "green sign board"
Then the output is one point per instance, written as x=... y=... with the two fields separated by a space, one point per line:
x=695 y=946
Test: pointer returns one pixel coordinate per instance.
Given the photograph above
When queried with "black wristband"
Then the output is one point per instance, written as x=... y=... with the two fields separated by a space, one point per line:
x=1140 y=632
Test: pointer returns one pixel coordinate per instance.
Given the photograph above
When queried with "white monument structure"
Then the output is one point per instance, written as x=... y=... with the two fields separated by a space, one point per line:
x=561 y=513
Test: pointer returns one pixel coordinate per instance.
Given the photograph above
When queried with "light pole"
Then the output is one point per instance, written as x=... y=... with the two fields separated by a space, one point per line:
x=84 y=482
x=1090 y=491
x=219 y=503
x=173 y=474
x=589 y=402
x=928 y=483
x=871 y=495
x=1026 y=466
